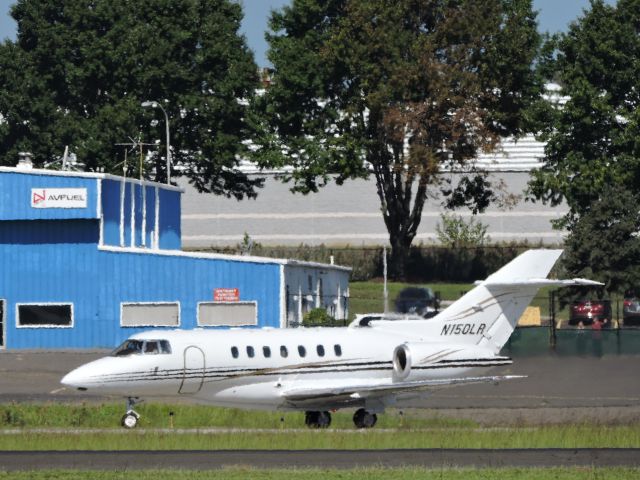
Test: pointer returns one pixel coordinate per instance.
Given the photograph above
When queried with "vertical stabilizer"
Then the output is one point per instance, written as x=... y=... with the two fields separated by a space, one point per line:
x=487 y=315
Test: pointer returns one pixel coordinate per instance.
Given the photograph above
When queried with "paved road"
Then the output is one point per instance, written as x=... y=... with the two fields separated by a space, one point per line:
x=340 y=459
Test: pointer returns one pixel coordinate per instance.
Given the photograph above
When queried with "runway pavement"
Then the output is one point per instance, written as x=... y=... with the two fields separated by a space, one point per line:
x=557 y=389
x=336 y=459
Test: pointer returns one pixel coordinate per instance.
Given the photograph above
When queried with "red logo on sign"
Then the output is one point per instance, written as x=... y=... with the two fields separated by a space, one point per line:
x=37 y=198
x=226 y=294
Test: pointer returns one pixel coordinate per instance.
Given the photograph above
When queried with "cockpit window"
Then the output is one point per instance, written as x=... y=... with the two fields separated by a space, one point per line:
x=146 y=347
x=150 y=346
x=165 y=346
x=129 y=347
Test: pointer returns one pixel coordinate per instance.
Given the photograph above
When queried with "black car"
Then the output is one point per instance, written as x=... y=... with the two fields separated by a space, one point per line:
x=631 y=311
x=418 y=300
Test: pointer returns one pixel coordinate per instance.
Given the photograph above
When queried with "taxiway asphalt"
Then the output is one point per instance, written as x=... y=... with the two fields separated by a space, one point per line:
x=336 y=459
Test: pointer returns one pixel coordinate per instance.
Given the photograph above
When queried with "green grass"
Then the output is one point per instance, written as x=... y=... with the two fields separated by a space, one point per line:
x=367 y=297
x=585 y=436
x=576 y=473
x=156 y=415
x=74 y=428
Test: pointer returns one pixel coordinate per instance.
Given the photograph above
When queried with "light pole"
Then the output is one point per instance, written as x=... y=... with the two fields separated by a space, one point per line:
x=154 y=104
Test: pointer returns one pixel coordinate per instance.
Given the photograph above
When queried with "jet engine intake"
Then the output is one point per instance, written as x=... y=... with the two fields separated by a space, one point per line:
x=401 y=362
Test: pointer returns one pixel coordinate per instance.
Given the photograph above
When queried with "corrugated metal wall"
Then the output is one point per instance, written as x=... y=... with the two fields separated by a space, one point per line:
x=16 y=190
x=96 y=282
x=122 y=205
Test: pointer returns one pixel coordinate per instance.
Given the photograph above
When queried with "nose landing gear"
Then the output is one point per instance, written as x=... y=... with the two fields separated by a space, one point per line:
x=317 y=419
x=130 y=419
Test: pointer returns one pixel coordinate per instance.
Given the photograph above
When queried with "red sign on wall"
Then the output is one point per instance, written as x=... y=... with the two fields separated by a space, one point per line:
x=226 y=294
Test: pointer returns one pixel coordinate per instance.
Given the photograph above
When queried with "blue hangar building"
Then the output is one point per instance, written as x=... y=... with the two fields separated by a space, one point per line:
x=89 y=259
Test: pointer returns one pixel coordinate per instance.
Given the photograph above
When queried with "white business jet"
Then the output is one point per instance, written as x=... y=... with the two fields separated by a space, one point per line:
x=369 y=365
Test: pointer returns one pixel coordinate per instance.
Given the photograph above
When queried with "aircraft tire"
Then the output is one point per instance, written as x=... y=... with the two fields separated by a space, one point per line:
x=129 y=420
x=313 y=419
x=364 y=419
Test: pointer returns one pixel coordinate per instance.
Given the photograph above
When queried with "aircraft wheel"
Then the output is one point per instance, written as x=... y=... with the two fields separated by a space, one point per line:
x=364 y=419
x=130 y=420
x=324 y=420
x=317 y=419
x=311 y=419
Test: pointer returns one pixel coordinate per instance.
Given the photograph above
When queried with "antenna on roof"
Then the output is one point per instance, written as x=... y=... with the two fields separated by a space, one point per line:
x=135 y=145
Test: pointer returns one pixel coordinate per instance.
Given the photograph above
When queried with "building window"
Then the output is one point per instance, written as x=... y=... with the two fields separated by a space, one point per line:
x=266 y=351
x=234 y=352
x=320 y=350
x=250 y=352
x=338 y=350
x=227 y=314
x=302 y=351
x=59 y=315
x=150 y=314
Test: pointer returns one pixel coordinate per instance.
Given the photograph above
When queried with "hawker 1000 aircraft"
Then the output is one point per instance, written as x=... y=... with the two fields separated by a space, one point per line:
x=369 y=365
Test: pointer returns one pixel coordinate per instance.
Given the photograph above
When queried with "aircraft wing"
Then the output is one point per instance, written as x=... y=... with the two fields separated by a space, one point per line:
x=347 y=394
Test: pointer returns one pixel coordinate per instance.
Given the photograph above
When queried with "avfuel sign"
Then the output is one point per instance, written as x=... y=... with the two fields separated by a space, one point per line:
x=59 y=198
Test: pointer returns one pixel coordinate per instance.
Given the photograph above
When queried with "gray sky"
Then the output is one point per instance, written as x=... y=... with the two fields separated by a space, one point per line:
x=554 y=16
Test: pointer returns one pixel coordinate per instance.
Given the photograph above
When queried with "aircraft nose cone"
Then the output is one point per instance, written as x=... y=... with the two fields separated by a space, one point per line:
x=76 y=378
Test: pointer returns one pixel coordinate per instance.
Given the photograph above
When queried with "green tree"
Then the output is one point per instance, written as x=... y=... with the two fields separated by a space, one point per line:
x=592 y=157
x=454 y=232
x=604 y=244
x=79 y=70
x=399 y=90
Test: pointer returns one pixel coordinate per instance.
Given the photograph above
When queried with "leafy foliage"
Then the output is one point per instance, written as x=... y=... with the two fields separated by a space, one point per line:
x=593 y=155
x=455 y=232
x=318 y=317
x=401 y=90
x=80 y=69
x=604 y=244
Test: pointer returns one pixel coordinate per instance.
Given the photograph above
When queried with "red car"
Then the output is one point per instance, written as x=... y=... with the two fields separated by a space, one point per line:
x=585 y=312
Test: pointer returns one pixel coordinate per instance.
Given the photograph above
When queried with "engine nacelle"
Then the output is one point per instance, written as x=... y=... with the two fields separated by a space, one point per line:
x=409 y=354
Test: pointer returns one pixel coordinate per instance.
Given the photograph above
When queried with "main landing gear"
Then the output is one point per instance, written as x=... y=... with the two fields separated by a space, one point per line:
x=130 y=419
x=317 y=419
x=364 y=419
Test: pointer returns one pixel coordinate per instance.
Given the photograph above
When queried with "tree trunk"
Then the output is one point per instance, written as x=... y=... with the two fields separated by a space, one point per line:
x=399 y=258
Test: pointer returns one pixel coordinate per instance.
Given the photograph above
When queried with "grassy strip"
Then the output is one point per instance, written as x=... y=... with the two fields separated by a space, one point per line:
x=154 y=415
x=369 y=473
x=540 y=437
x=367 y=297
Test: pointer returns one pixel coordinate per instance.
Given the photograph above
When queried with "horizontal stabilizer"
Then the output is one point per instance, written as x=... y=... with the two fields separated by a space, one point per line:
x=544 y=282
x=386 y=388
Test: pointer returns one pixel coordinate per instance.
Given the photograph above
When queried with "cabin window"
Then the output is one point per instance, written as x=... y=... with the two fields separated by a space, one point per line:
x=266 y=351
x=250 y=352
x=234 y=352
x=283 y=351
x=320 y=350
x=45 y=315
x=150 y=315
x=338 y=350
x=227 y=314
x=302 y=351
